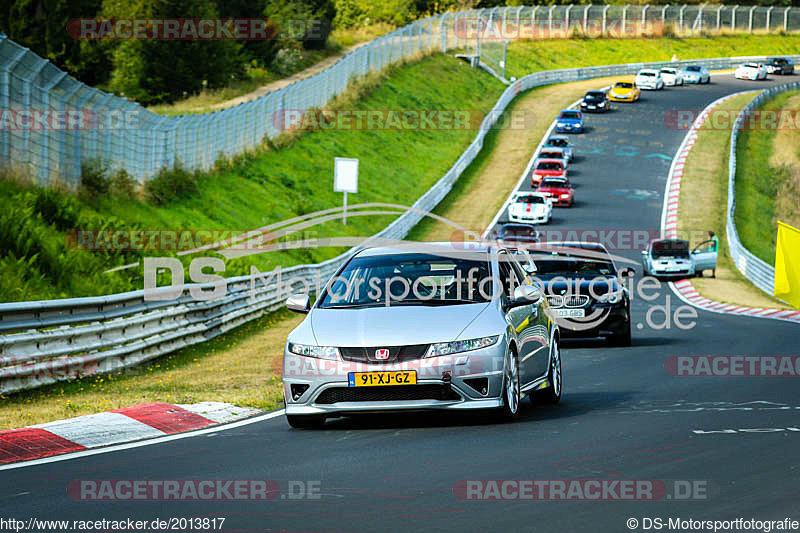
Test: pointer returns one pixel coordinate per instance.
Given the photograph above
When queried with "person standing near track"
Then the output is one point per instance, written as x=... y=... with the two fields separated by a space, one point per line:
x=713 y=246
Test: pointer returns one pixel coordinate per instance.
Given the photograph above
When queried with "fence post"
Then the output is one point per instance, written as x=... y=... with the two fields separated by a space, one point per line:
x=644 y=16
x=586 y=17
x=700 y=18
x=550 y=22
x=664 y=15
x=680 y=18
x=719 y=17
x=624 y=18
x=443 y=31
x=533 y=22
x=750 y=21
x=566 y=19
x=769 y=17
x=5 y=87
x=733 y=17
x=786 y=19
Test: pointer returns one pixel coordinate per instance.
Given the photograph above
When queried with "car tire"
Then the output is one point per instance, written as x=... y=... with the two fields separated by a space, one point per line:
x=552 y=394
x=305 y=421
x=622 y=338
x=511 y=386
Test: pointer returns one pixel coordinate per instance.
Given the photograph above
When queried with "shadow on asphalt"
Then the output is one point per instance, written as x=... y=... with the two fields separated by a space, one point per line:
x=572 y=404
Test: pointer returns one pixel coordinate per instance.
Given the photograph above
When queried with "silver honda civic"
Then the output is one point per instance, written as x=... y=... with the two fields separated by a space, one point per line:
x=422 y=326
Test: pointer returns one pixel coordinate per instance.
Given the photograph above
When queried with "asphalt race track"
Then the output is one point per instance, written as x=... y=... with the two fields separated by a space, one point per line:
x=622 y=415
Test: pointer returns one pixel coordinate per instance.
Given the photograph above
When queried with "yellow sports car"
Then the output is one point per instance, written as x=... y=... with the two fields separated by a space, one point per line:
x=624 y=91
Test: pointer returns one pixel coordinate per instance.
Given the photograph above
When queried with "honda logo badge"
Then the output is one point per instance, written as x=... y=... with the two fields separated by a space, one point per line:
x=382 y=353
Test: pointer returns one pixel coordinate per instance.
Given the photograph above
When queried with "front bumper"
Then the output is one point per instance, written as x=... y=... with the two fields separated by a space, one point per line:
x=615 y=317
x=594 y=108
x=529 y=217
x=569 y=128
x=442 y=383
x=630 y=98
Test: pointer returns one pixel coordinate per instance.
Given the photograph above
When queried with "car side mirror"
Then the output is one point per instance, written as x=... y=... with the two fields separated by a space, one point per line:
x=299 y=303
x=644 y=252
x=525 y=295
x=530 y=268
x=627 y=272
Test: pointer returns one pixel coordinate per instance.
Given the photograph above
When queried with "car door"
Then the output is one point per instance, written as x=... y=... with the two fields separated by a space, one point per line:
x=517 y=317
x=703 y=257
x=531 y=325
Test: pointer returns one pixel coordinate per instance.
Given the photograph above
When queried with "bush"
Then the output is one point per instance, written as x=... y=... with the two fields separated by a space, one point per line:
x=56 y=208
x=171 y=184
x=122 y=184
x=94 y=182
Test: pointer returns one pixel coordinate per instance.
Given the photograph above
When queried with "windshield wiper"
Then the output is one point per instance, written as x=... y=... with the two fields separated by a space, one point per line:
x=351 y=306
x=435 y=301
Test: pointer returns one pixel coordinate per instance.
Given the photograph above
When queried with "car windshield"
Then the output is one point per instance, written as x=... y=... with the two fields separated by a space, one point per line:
x=553 y=184
x=572 y=267
x=408 y=279
x=595 y=95
x=549 y=165
x=678 y=249
x=647 y=74
x=750 y=65
x=516 y=232
x=530 y=199
x=558 y=142
x=570 y=114
x=551 y=155
x=624 y=85
x=693 y=69
x=668 y=71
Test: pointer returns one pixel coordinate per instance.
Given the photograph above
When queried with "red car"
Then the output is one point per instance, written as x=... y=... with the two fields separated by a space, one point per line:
x=547 y=168
x=559 y=191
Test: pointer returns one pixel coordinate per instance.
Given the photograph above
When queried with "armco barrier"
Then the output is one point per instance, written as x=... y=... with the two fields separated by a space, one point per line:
x=759 y=272
x=47 y=341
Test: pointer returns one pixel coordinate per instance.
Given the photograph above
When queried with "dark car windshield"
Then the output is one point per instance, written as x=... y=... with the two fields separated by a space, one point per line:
x=548 y=165
x=570 y=114
x=560 y=143
x=693 y=69
x=517 y=232
x=595 y=95
x=678 y=249
x=573 y=267
x=530 y=199
x=408 y=279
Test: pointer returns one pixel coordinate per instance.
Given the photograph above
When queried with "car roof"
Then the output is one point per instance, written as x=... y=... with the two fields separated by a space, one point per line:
x=424 y=247
x=561 y=137
x=570 y=111
x=556 y=149
x=669 y=241
x=647 y=70
x=586 y=245
x=549 y=160
x=560 y=180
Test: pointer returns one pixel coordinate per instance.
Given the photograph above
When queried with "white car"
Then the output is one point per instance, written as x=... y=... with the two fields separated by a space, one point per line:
x=649 y=78
x=751 y=71
x=671 y=76
x=668 y=258
x=530 y=207
x=696 y=74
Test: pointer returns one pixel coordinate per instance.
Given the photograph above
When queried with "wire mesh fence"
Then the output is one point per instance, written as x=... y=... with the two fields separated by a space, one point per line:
x=53 y=124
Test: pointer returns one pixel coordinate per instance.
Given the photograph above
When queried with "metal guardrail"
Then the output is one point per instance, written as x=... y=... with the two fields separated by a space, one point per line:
x=755 y=269
x=127 y=136
x=48 y=341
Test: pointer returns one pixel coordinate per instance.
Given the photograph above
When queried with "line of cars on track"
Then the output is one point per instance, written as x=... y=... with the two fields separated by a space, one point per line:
x=439 y=347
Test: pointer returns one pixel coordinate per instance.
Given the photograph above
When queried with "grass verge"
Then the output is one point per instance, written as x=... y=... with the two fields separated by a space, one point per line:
x=768 y=177
x=703 y=200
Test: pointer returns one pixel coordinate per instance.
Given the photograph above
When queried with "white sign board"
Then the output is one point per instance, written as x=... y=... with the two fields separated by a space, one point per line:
x=345 y=175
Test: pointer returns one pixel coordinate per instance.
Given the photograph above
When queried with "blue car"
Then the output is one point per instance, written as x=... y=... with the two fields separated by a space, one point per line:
x=569 y=121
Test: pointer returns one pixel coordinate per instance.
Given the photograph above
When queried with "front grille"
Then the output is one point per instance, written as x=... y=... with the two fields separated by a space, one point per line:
x=397 y=354
x=573 y=300
x=387 y=394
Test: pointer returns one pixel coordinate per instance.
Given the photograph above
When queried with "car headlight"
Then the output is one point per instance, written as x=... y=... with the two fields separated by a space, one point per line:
x=610 y=297
x=601 y=104
x=565 y=195
x=561 y=125
x=320 y=352
x=449 y=348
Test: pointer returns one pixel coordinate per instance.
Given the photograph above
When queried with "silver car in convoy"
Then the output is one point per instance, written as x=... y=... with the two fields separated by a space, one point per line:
x=422 y=326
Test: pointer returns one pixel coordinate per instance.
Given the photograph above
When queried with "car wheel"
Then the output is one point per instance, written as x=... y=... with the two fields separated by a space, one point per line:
x=511 y=390
x=552 y=394
x=623 y=336
x=305 y=421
